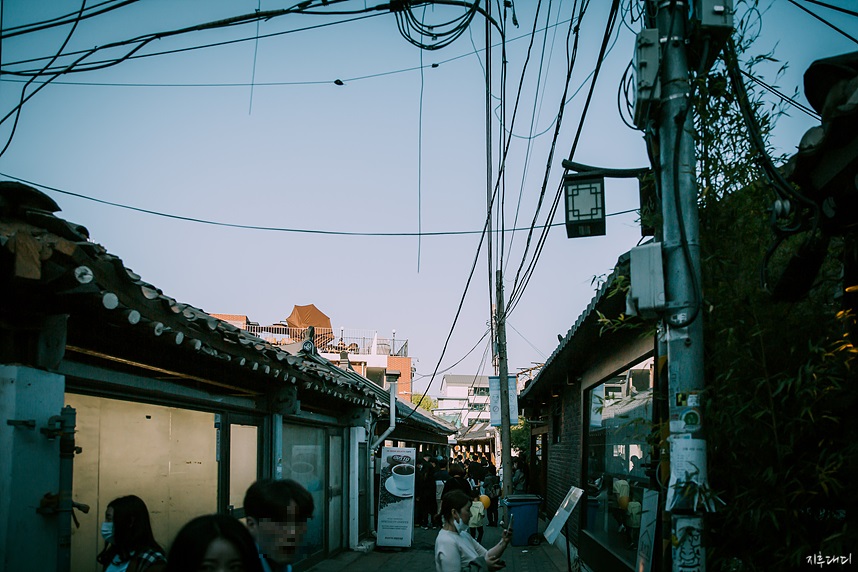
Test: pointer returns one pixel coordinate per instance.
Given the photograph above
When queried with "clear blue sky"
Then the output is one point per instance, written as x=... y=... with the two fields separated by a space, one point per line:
x=193 y=137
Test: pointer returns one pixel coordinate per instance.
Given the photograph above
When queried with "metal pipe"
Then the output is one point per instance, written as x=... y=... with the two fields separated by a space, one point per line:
x=393 y=382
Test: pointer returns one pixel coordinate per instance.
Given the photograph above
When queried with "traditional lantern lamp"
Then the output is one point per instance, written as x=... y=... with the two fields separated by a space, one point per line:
x=585 y=204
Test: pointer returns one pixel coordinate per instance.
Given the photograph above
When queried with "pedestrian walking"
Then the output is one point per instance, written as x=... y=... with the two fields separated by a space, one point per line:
x=457 y=481
x=519 y=478
x=129 y=543
x=214 y=543
x=478 y=517
x=491 y=486
x=455 y=549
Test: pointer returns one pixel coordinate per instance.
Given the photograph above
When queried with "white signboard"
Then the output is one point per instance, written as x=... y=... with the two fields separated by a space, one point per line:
x=562 y=514
x=646 y=539
x=396 y=496
x=495 y=404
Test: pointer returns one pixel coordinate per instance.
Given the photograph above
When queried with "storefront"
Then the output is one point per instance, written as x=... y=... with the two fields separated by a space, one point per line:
x=590 y=411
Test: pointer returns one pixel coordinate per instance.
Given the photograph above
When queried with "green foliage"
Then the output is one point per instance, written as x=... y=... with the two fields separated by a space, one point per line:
x=426 y=402
x=520 y=437
x=780 y=420
x=781 y=397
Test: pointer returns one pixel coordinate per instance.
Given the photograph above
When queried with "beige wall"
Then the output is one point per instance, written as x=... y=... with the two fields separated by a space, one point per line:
x=164 y=455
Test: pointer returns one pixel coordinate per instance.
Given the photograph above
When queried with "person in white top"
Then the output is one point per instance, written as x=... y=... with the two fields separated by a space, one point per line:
x=455 y=549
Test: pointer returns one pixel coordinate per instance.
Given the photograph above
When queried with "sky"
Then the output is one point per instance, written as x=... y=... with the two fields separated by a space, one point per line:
x=257 y=132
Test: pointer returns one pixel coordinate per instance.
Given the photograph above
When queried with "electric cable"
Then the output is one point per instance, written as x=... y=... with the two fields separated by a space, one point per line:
x=832 y=7
x=255 y=53
x=574 y=27
x=508 y=323
x=24 y=98
x=448 y=368
x=63 y=20
x=420 y=163
x=204 y=46
x=537 y=99
x=612 y=20
x=147 y=38
x=823 y=20
x=265 y=228
x=785 y=98
x=458 y=310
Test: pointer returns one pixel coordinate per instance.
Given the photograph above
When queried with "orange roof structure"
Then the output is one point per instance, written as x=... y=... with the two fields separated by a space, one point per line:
x=306 y=316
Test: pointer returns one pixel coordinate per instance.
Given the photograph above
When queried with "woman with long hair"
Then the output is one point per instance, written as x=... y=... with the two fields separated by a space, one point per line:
x=455 y=549
x=129 y=543
x=214 y=542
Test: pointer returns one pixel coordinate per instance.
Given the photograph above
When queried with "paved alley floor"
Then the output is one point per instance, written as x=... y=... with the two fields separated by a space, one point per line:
x=421 y=556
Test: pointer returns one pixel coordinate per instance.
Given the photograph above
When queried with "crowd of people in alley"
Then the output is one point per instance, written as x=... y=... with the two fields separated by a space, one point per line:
x=460 y=496
x=276 y=519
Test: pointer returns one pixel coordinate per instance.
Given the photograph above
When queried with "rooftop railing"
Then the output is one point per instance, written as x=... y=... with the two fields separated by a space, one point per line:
x=327 y=340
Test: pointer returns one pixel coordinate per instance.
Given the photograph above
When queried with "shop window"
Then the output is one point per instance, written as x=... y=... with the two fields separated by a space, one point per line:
x=304 y=461
x=620 y=419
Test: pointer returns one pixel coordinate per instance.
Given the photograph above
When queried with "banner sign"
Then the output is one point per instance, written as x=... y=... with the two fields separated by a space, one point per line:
x=396 y=496
x=495 y=404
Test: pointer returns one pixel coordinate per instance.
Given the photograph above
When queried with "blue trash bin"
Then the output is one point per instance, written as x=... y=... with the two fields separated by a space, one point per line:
x=525 y=508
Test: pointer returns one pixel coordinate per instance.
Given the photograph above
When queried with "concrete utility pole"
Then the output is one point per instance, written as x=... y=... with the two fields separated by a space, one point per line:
x=682 y=327
x=506 y=453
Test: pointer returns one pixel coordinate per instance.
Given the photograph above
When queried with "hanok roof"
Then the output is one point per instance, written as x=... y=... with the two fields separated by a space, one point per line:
x=111 y=317
x=573 y=349
x=481 y=431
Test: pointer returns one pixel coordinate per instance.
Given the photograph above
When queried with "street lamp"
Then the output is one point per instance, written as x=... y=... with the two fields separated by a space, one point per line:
x=585 y=196
x=585 y=204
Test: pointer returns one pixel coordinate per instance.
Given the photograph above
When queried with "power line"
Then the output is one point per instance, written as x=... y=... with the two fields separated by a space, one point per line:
x=823 y=20
x=267 y=228
x=831 y=7
x=783 y=97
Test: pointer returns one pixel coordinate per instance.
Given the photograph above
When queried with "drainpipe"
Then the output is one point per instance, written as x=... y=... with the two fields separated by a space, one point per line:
x=392 y=383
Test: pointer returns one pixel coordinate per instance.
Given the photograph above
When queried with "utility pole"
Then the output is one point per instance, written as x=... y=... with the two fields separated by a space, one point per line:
x=682 y=327
x=506 y=454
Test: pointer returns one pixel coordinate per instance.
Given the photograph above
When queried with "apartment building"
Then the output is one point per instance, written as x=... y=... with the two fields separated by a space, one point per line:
x=464 y=399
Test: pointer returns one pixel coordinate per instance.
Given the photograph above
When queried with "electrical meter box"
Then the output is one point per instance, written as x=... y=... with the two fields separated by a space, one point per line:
x=647 y=92
x=713 y=14
x=646 y=296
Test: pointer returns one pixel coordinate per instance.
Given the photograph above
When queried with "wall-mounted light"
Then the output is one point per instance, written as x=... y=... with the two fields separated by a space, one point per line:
x=585 y=205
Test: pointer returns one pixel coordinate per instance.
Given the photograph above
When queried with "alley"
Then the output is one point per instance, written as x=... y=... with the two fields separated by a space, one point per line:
x=542 y=558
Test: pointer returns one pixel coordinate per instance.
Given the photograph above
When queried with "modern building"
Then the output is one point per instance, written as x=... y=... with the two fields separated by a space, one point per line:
x=464 y=399
x=368 y=354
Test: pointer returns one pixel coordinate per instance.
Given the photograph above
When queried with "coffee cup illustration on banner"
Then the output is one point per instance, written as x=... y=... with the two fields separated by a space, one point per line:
x=403 y=477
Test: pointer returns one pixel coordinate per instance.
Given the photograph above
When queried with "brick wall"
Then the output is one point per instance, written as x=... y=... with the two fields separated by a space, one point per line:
x=565 y=456
x=403 y=364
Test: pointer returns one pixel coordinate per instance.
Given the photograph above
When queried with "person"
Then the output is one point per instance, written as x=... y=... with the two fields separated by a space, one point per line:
x=475 y=470
x=457 y=551
x=478 y=517
x=129 y=543
x=491 y=485
x=427 y=505
x=276 y=513
x=457 y=481
x=519 y=479
x=213 y=543
x=441 y=477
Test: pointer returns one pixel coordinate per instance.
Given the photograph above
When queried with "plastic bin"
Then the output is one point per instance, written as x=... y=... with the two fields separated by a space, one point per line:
x=525 y=508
